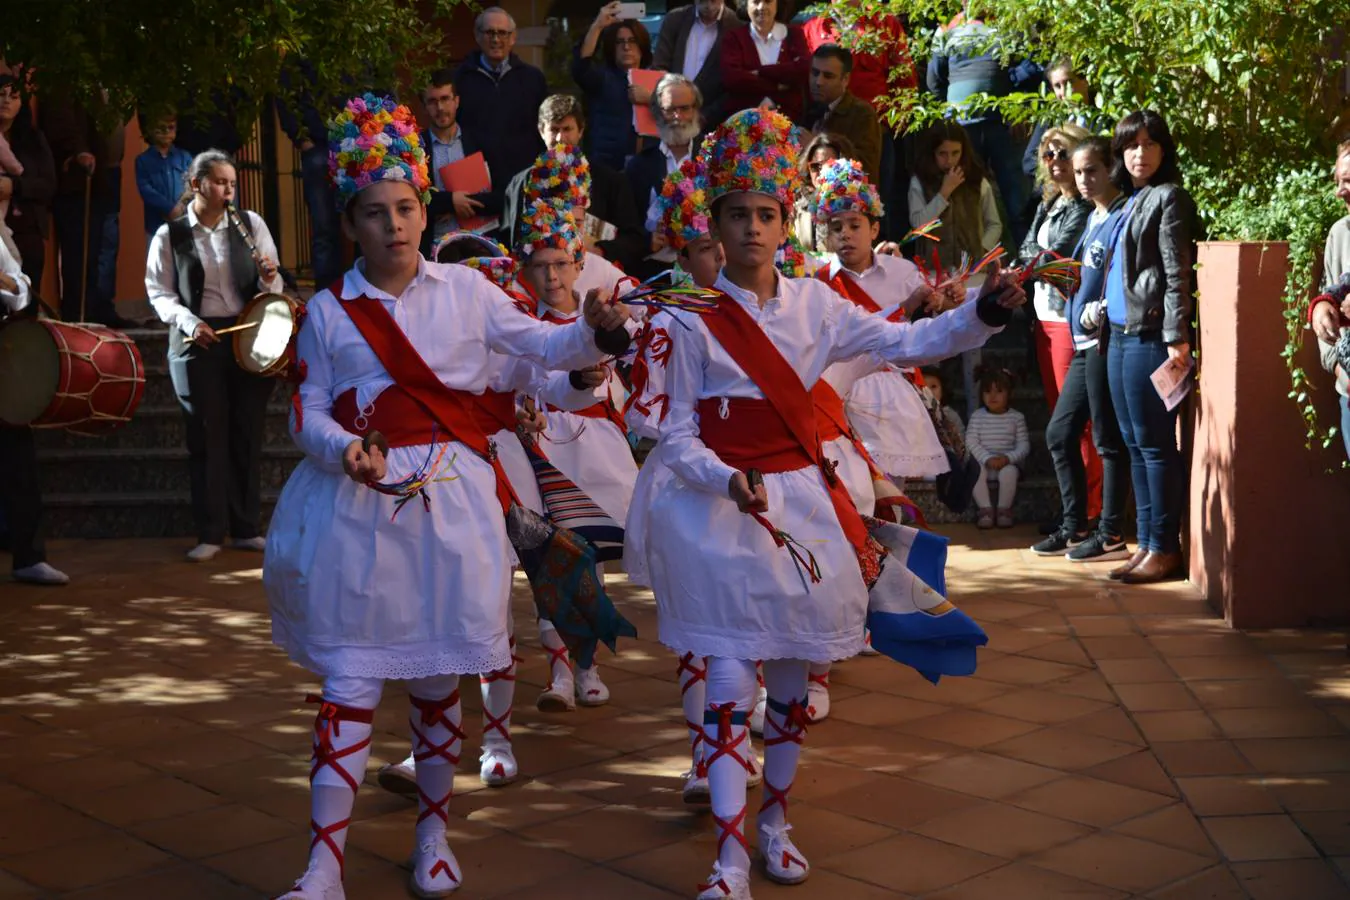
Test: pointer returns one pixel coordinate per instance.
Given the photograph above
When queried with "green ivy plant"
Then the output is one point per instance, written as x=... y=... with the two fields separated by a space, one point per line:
x=1297 y=207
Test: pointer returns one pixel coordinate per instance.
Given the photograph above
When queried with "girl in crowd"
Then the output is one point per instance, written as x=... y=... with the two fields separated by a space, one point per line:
x=820 y=150
x=610 y=49
x=1148 y=307
x=199 y=274
x=1084 y=393
x=765 y=62
x=951 y=183
x=997 y=438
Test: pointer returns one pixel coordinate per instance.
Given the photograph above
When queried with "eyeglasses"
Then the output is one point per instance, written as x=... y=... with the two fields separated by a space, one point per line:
x=545 y=268
x=687 y=109
x=496 y=34
x=1051 y=155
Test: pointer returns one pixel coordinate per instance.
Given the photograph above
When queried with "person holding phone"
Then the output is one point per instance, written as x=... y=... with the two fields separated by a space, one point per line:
x=611 y=48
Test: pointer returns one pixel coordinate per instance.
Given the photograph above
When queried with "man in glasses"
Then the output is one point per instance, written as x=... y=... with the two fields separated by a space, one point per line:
x=677 y=105
x=500 y=95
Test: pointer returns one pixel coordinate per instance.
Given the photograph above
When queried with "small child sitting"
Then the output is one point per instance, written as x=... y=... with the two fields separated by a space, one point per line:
x=997 y=438
x=932 y=379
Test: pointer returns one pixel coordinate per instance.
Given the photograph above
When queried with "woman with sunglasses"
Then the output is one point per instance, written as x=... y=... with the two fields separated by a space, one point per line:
x=611 y=48
x=819 y=151
x=1061 y=215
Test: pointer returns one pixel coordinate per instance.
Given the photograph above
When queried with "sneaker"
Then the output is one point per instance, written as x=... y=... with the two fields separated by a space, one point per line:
x=203 y=552
x=559 y=696
x=725 y=884
x=985 y=521
x=696 y=791
x=256 y=544
x=399 y=778
x=435 y=871
x=783 y=862
x=41 y=573
x=591 y=691
x=817 y=702
x=315 y=884
x=1057 y=543
x=757 y=714
x=868 y=649
x=1099 y=548
x=497 y=765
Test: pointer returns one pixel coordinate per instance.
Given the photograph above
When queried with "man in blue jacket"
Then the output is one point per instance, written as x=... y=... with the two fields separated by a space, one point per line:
x=499 y=96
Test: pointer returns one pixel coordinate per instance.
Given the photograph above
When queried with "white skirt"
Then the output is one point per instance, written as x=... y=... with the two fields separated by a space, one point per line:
x=724 y=589
x=353 y=593
x=853 y=471
x=595 y=455
x=518 y=470
x=889 y=417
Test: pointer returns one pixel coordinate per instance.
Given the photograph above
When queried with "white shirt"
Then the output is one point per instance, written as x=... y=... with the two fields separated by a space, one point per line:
x=1042 y=293
x=220 y=297
x=698 y=46
x=890 y=281
x=454 y=318
x=812 y=327
x=769 y=48
x=597 y=272
x=13 y=301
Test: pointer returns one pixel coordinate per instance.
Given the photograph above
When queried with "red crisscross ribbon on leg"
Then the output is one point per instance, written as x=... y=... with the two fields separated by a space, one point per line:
x=506 y=674
x=433 y=713
x=823 y=679
x=328 y=725
x=793 y=730
x=725 y=716
x=556 y=656
x=695 y=675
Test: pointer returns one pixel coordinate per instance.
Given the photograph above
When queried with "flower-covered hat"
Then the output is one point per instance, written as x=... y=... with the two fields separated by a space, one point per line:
x=754 y=151
x=545 y=226
x=477 y=252
x=560 y=175
x=683 y=204
x=843 y=187
x=375 y=139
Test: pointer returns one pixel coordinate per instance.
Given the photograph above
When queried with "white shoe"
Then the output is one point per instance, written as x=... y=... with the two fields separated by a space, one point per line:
x=725 y=884
x=696 y=791
x=591 y=691
x=754 y=777
x=256 y=544
x=435 y=871
x=497 y=765
x=783 y=862
x=399 y=778
x=559 y=696
x=203 y=552
x=315 y=884
x=817 y=702
x=868 y=649
x=757 y=714
x=41 y=573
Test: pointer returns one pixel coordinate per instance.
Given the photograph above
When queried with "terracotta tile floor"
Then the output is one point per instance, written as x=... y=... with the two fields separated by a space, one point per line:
x=1116 y=742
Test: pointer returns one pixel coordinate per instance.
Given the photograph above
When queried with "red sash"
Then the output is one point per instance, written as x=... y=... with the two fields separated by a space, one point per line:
x=846 y=286
x=495 y=411
x=833 y=422
x=453 y=410
x=752 y=350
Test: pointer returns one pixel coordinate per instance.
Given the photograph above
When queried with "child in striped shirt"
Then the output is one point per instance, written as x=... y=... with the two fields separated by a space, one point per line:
x=997 y=437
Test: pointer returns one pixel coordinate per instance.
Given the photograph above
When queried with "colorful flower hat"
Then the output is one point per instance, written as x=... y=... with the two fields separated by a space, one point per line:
x=375 y=139
x=790 y=259
x=479 y=253
x=754 y=151
x=560 y=175
x=843 y=187
x=545 y=226
x=683 y=204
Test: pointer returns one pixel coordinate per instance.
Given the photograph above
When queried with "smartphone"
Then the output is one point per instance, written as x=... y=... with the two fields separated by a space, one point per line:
x=632 y=11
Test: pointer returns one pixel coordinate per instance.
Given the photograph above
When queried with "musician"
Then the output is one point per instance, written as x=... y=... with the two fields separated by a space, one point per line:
x=199 y=275
x=20 y=496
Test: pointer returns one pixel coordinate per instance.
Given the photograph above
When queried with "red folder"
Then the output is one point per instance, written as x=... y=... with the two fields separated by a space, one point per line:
x=644 y=122
x=469 y=175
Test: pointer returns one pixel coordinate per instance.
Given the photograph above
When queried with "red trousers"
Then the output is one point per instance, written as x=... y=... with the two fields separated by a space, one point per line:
x=1054 y=352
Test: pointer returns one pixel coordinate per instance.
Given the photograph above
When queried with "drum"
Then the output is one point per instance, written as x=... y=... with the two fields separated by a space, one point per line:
x=85 y=378
x=266 y=328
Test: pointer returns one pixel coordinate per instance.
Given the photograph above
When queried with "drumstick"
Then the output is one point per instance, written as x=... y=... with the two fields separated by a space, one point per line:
x=254 y=324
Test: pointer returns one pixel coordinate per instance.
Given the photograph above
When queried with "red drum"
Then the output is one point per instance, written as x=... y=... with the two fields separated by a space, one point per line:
x=85 y=378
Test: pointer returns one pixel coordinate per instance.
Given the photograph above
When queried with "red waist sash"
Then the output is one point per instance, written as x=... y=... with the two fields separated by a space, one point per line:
x=495 y=411
x=752 y=436
x=602 y=410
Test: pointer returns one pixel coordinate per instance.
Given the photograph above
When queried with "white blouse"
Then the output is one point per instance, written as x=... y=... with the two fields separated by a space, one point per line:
x=220 y=297
x=454 y=318
x=812 y=327
x=770 y=47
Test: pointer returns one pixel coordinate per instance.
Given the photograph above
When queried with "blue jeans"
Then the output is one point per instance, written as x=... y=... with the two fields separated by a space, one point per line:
x=1345 y=423
x=325 y=246
x=1150 y=434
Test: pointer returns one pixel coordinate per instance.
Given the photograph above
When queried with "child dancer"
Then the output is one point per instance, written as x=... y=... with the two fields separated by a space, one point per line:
x=361 y=588
x=739 y=381
x=997 y=438
x=562 y=176
x=588 y=446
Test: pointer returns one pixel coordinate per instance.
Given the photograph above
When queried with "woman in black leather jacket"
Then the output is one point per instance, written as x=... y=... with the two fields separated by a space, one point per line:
x=1148 y=305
